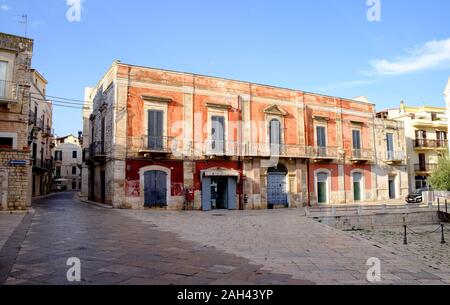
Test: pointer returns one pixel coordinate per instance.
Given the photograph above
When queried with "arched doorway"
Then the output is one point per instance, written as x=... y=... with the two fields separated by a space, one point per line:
x=155 y=188
x=276 y=187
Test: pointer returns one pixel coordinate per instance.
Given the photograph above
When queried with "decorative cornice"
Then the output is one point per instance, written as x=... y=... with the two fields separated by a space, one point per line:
x=221 y=106
x=158 y=99
x=275 y=110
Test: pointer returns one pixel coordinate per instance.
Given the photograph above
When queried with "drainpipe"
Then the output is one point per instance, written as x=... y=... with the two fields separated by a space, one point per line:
x=240 y=167
x=376 y=155
x=308 y=195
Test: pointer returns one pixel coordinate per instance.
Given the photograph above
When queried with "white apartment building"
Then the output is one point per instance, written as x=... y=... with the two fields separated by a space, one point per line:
x=426 y=132
x=68 y=160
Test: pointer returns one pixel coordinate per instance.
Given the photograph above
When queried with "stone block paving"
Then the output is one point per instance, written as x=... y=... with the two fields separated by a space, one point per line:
x=424 y=242
x=8 y=222
x=117 y=249
x=286 y=242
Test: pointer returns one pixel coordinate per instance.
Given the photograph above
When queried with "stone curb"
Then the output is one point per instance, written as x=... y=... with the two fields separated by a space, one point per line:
x=100 y=205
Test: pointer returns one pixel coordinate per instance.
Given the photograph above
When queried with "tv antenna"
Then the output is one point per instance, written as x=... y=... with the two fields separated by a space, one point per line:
x=24 y=21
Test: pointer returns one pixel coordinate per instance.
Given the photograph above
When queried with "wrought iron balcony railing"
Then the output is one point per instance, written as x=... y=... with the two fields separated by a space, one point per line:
x=97 y=149
x=9 y=91
x=432 y=144
x=362 y=154
x=425 y=167
x=394 y=156
x=323 y=152
x=43 y=164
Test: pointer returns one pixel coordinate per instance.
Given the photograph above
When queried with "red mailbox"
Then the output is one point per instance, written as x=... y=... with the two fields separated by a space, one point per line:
x=189 y=195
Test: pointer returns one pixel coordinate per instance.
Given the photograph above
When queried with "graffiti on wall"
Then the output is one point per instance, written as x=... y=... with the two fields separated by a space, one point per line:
x=132 y=188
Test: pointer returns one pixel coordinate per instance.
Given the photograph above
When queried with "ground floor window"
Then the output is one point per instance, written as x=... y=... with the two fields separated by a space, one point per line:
x=421 y=182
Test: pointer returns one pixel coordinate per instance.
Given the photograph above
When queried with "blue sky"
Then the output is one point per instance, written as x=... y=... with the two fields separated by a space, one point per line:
x=323 y=46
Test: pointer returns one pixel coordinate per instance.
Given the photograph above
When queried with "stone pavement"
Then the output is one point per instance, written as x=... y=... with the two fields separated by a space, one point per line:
x=8 y=222
x=115 y=249
x=424 y=244
x=286 y=242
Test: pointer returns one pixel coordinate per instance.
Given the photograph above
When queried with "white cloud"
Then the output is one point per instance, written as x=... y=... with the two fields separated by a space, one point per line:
x=4 y=7
x=433 y=54
x=345 y=85
x=37 y=23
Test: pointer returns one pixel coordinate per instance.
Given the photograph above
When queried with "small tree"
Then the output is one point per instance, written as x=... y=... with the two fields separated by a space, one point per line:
x=440 y=178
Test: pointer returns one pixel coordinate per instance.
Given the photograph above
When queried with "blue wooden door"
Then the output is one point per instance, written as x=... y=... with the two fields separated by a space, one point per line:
x=155 y=189
x=206 y=194
x=276 y=189
x=231 y=193
x=155 y=130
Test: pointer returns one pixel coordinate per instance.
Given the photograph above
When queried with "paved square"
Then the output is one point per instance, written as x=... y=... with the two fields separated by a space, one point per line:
x=219 y=248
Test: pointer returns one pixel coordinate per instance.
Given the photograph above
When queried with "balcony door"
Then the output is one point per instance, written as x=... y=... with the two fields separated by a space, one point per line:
x=155 y=130
x=217 y=134
x=390 y=146
x=321 y=140
x=421 y=138
x=356 y=140
x=441 y=137
x=422 y=163
x=275 y=136
x=3 y=67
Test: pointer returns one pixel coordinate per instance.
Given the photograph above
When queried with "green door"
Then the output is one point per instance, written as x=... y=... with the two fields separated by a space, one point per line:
x=322 y=182
x=322 y=192
x=357 y=177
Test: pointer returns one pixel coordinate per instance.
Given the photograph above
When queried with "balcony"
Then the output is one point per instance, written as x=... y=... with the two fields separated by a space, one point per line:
x=361 y=156
x=394 y=157
x=9 y=92
x=422 y=144
x=214 y=148
x=97 y=150
x=156 y=145
x=428 y=122
x=323 y=154
x=274 y=150
x=48 y=132
x=42 y=165
x=425 y=168
x=32 y=118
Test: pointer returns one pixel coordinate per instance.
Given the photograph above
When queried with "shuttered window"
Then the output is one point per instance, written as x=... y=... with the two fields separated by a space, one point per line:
x=321 y=136
x=155 y=129
x=218 y=134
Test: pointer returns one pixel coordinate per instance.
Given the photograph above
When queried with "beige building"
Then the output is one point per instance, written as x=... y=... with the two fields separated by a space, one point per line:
x=447 y=102
x=68 y=160
x=391 y=168
x=426 y=132
x=15 y=84
x=41 y=136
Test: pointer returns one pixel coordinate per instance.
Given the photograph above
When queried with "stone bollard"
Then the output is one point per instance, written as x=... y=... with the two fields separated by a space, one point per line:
x=333 y=210
x=384 y=208
x=430 y=205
